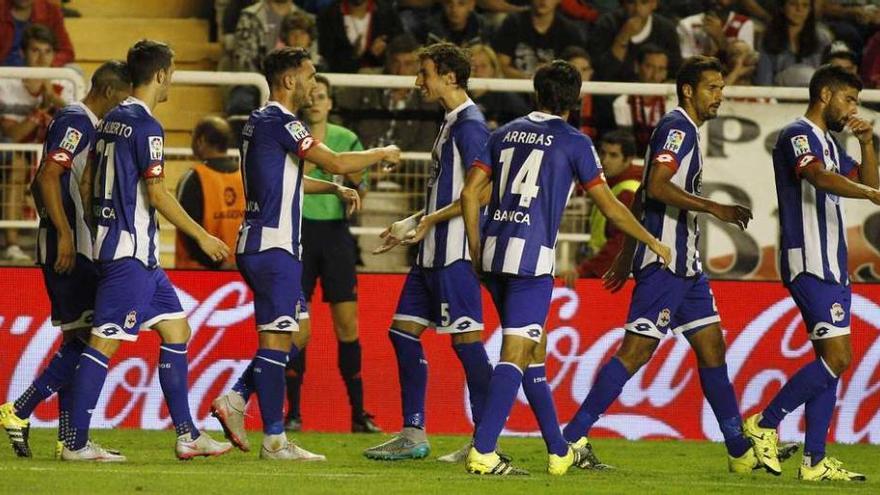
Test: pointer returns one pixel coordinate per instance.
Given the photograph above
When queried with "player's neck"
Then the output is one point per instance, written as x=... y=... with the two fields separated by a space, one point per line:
x=563 y=115
x=148 y=95
x=692 y=113
x=453 y=99
x=285 y=100
x=814 y=115
x=93 y=103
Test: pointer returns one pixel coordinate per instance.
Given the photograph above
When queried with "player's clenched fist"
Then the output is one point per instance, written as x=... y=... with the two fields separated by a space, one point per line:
x=216 y=249
x=391 y=157
x=735 y=214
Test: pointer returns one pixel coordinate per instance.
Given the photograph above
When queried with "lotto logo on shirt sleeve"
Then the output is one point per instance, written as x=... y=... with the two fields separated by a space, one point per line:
x=71 y=140
x=801 y=145
x=155 y=170
x=296 y=129
x=157 y=147
x=674 y=140
x=61 y=157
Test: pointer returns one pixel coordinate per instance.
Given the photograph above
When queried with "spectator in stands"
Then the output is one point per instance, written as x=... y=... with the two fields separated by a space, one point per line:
x=17 y=15
x=330 y=253
x=709 y=32
x=639 y=114
x=394 y=115
x=871 y=62
x=840 y=55
x=740 y=61
x=353 y=34
x=617 y=36
x=594 y=108
x=299 y=30
x=26 y=107
x=529 y=39
x=211 y=193
x=457 y=23
x=793 y=46
x=498 y=107
x=617 y=150
x=851 y=21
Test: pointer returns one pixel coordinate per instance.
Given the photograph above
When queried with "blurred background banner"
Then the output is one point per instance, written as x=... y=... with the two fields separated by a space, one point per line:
x=738 y=166
x=766 y=344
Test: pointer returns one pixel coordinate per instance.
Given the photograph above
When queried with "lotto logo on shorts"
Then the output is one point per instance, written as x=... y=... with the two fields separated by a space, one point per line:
x=285 y=324
x=131 y=319
x=837 y=313
x=534 y=333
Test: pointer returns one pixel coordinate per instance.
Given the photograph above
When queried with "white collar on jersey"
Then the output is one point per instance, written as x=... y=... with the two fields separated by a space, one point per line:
x=92 y=116
x=131 y=100
x=813 y=126
x=542 y=117
x=273 y=103
x=453 y=114
x=683 y=112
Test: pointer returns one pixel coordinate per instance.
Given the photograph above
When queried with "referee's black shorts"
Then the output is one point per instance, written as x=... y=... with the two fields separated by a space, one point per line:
x=329 y=253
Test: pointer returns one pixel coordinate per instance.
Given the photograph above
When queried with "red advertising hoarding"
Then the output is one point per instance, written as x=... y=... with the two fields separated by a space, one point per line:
x=765 y=335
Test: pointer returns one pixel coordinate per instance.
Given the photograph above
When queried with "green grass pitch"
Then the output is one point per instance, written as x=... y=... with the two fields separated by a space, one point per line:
x=645 y=467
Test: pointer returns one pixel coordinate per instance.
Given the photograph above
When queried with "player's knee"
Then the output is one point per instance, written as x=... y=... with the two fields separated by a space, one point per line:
x=839 y=362
x=107 y=347
x=466 y=338
x=517 y=351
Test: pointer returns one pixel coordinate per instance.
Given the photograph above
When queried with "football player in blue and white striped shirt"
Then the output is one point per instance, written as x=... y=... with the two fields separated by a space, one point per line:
x=533 y=164
x=441 y=290
x=64 y=247
x=813 y=172
x=676 y=297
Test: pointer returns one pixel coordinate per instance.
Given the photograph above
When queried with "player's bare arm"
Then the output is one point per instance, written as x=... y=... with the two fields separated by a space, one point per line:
x=168 y=206
x=471 y=196
x=350 y=162
x=345 y=194
x=864 y=132
x=48 y=180
x=616 y=276
x=837 y=184
x=621 y=217
x=661 y=188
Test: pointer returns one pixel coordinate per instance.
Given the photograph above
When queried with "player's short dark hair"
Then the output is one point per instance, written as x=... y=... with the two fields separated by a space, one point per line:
x=557 y=86
x=834 y=77
x=215 y=131
x=449 y=58
x=649 y=49
x=112 y=74
x=146 y=58
x=326 y=82
x=280 y=60
x=622 y=138
x=692 y=70
x=38 y=32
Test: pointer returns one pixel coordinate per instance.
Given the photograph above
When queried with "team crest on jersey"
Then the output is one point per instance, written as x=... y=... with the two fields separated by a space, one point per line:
x=131 y=319
x=156 y=147
x=674 y=140
x=837 y=313
x=296 y=129
x=664 y=318
x=801 y=145
x=71 y=140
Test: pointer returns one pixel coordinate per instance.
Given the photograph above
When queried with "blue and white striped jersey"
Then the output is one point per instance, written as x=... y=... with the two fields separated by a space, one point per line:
x=675 y=143
x=70 y=136
x=274 y=142
x=462 y=136
x=811 y=221
x=534 y=163
x=129 y=148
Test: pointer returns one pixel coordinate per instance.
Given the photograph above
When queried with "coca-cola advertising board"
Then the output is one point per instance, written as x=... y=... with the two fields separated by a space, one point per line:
x=765 y=336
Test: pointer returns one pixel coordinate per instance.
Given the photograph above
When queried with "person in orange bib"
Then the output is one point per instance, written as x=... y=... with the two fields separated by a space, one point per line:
x=211 y=193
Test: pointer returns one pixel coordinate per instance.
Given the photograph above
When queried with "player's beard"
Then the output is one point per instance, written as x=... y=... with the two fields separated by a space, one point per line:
x=834 y=122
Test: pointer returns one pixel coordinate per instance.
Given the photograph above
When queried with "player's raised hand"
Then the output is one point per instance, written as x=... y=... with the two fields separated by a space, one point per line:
x=735 y=214
x=616 y=276
x=66 y=259
x=390 y=158
x=216 y=249
x=350 y=197
x=862 y=129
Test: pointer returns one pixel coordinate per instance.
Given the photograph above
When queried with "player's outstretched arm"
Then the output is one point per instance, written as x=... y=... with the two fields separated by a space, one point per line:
x=620 y=215
x=48 y=180
x=864 y=132
x=477 y=180
x=345 y=194
x=168 y=206
x=350 y=162
x=445 y=214
x=660 y=187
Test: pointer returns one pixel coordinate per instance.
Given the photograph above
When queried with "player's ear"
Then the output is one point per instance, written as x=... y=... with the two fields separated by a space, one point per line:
x=687 y=90
x=825 y=95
